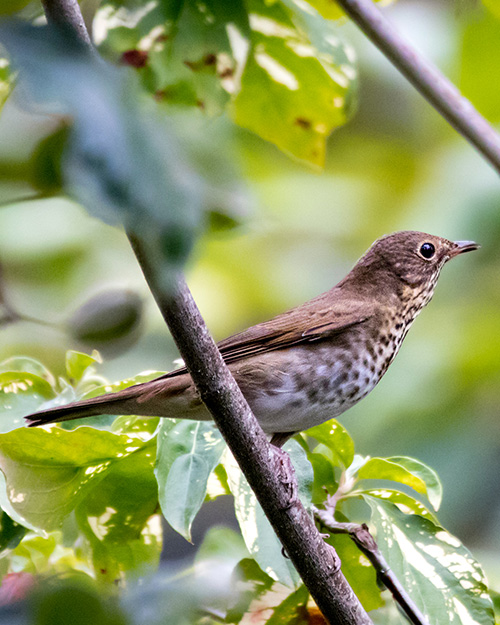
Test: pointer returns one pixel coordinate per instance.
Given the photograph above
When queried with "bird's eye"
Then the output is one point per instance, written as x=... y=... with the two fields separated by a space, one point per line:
x=427 y=250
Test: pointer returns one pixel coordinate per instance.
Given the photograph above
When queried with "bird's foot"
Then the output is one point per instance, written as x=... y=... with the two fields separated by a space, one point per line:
x=286 y=473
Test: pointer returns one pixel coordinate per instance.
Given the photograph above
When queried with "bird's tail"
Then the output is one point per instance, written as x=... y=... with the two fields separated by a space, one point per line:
x=111 y=403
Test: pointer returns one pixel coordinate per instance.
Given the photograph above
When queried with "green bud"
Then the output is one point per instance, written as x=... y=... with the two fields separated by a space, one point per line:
x=108 y=320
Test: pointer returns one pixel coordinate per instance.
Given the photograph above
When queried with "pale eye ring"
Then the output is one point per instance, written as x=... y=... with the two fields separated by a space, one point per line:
x=427 y=250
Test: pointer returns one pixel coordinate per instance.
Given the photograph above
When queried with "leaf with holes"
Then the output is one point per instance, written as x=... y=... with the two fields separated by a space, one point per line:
x=295 y=88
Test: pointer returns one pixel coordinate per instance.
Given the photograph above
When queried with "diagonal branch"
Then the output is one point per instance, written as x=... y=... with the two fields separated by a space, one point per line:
x=426 y=78
x=264 y=466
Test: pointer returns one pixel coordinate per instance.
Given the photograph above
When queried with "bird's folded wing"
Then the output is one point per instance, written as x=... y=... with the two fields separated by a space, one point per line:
x=295 y=327
x=301 y=325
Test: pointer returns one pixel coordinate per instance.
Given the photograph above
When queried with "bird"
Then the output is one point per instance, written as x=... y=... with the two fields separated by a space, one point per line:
x=313 y=362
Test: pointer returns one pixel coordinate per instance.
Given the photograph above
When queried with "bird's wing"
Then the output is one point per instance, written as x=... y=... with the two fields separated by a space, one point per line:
x=304 y=324
x=318 y=319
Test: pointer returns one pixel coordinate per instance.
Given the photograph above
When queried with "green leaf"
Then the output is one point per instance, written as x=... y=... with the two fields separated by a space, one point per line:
x=406 y=503
x=182 y=50
x=434 y=488
x=259 y=536
x=122 y=166
x=408 y=471
x=113 y=387
x=196 y=63
x=438 y=572
x=140 y=427
x=324 y=477
x=72 y=600
x=30 y=365
x=118 y=518
x=359 y=572
x=337 y=439
x=293 y=92
x=77 y=363
x=188 y=452
x=493 y=6
x=292 y=610
x=20 y=394
x=47 y=162
x=6 y=80
x=11 y=533
x=280 y=69
x=48 y=472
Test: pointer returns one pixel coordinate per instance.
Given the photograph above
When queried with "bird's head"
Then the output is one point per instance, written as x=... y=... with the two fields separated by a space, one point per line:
x=413 y=258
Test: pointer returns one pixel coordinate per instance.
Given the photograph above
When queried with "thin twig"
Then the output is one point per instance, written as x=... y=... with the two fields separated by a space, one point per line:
x=426 y=78
x=360 y=534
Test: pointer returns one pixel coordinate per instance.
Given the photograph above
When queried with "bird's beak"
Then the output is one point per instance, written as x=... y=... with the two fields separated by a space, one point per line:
x=460 y=247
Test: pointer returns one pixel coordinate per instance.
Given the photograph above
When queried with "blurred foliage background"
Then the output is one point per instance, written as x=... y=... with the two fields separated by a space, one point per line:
x=292 y=232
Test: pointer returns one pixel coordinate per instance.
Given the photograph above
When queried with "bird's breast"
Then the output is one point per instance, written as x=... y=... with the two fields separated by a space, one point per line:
x=299 y=387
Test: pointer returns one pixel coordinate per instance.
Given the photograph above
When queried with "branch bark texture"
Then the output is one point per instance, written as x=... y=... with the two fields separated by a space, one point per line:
x=67 y=14
x=426 y=78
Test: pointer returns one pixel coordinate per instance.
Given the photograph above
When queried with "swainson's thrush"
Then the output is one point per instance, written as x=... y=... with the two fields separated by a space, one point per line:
x=314 y=362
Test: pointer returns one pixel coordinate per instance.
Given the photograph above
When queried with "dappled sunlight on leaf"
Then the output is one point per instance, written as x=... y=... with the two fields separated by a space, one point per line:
x=438 y=572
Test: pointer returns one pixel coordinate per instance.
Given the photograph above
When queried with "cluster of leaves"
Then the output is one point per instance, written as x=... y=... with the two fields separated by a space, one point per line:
x=278 y=67
x=88 y=498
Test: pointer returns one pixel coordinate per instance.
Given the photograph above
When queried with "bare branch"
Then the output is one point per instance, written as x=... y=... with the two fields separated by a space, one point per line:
x=264 y=466
x=426 y=78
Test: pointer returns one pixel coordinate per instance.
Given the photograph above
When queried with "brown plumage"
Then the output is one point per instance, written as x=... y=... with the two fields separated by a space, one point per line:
x=311 y=363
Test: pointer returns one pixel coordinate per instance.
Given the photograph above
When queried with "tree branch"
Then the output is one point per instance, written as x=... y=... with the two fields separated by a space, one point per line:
x=67 y=14
x=426 y=78
x=360 y=534
x=264 y=466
